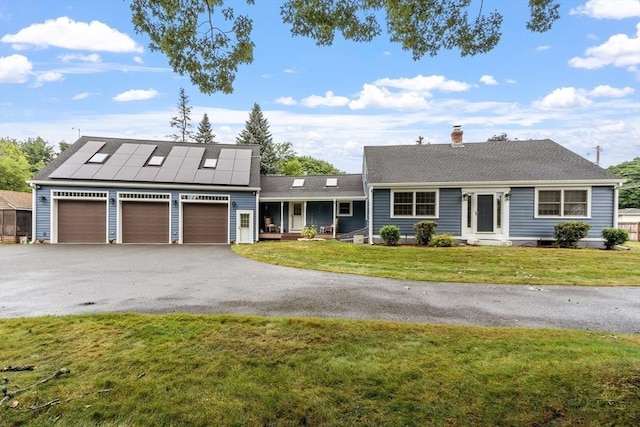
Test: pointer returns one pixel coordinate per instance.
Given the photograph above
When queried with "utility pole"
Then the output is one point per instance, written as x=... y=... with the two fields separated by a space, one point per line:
x=598 y=150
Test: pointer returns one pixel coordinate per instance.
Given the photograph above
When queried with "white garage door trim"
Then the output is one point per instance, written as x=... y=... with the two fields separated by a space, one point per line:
x=74 y=195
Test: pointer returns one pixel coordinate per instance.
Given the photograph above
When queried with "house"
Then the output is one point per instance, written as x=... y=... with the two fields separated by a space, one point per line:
x=335 y=204
x=15 y=216
x=130 y=191
x=500 y=193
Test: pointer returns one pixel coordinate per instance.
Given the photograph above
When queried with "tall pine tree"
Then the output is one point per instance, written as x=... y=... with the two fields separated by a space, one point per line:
x=182 y=121
x=205 y=134
x=256 y=131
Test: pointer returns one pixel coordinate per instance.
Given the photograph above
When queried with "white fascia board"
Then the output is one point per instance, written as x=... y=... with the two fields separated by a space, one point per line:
x=310 y=199
x=202 y=187
x=543 y=183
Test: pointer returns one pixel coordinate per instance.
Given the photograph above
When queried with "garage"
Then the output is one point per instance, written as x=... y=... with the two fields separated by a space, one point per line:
x=204 y=222
x=145 y=222
x=82 y=221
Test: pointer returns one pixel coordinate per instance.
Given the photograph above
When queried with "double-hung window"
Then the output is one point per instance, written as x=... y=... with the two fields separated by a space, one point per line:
x=345 y=208
x=414 y=204
x=562 y=203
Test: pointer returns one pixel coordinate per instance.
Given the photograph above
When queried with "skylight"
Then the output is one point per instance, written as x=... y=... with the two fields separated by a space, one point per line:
x=155 y=161
x=332 y=182
x=210 y=163
x=298 y=182
x=98 y=158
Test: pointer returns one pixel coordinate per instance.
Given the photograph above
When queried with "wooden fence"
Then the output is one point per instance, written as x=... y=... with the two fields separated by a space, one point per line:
x=632 y=228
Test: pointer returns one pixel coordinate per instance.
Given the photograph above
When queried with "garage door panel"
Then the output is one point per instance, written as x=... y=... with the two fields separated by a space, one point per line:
x=82 y=221
x=145 y=222
x=204 y=223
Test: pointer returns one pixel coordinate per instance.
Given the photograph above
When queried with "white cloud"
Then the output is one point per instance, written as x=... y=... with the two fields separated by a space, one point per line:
x=328 y=100
x=69 y=34
x=79 y=96
x=620 y=51
x=608 y=9
x=290 y=71
x=48 y=77
x=606 y=91
x=286 y=100
x=94 y=57
x=488 y=80
x=15 y=69
x=543 y=47
x=511 y=81
x=564 y=97
x=136 y=95
x=424 y=84
x=379 y=97
x=138 y=60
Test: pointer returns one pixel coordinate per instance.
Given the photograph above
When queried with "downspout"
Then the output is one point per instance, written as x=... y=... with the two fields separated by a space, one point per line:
x=370 y=213
x=256 y=220
x=616 y=200
x=34 y=197
x=334 y=219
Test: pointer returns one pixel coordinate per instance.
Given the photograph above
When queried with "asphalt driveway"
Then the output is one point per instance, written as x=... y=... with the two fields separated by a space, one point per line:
x=72 y=279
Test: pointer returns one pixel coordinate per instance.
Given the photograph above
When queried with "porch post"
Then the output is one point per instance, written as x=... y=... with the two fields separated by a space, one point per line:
x=281 y=216
x=333 y=229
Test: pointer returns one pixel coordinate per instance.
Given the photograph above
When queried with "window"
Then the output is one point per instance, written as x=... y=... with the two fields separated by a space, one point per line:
x=414 y=203
x=210 y=163
x=155 y=161
x=344 y=208
x=298 y=182
x=98 y=158
x=331 y=182
x=563 y=203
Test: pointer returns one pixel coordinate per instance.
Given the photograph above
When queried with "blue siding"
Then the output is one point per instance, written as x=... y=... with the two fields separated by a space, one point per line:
x=449 y=220
x=243 y=200
x=522 y=210
x=356 y=221
x=319 y=213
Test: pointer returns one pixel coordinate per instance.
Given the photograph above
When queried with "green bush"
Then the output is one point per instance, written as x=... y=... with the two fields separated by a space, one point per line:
x=390 y=234
x=424 y=231
x=614 y=236
x=569 y=233
x=443 y=240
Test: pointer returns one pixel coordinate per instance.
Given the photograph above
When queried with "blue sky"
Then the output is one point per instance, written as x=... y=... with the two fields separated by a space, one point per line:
x=70 y=67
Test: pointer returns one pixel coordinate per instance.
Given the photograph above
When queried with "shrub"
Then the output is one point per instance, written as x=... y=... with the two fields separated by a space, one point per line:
x=614 y=236
x=390 y=234
x=310 y=231
x=424 y=231
x=569 y=233
x=443 y=240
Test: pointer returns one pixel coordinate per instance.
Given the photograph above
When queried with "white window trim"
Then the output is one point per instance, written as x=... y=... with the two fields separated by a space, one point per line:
x=350 y=208
x=562 y=190
x=414 y=191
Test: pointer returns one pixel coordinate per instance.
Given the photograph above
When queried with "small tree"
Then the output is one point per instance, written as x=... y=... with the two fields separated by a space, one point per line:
x=205 y=134
x=614 y=236
x=390 y=234
x=182 y=121
x=569 y=233
x=424 y=231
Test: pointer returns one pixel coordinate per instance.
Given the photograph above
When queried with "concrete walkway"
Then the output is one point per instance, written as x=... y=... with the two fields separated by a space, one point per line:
x=71 y=279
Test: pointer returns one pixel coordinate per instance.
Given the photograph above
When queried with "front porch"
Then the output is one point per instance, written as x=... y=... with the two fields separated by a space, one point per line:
x=291 y=236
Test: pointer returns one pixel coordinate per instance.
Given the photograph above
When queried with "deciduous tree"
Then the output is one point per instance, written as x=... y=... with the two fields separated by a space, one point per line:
x=14 y=167
x=38 y=153
x=630 y=191
x=206 y=40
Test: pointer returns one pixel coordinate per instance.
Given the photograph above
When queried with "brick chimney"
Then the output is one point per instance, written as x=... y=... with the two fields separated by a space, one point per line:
x=456 y=136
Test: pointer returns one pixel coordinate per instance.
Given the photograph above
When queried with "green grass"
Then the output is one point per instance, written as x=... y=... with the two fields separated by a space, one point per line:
x=468 y=264
x=174 y=370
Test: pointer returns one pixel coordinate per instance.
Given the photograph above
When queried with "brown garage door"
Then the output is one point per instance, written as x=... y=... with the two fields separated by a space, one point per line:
x=82 y=221
x=204 y=223
x=145 y=222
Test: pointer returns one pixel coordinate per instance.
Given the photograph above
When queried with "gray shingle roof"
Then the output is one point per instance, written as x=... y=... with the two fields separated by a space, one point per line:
x=183 y=163
x=280 y=187
x=500 y=161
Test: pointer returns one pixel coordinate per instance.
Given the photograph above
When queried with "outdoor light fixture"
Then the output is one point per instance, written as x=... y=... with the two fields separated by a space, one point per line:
x=175 y=203
x=507 y=196
x=43 y=199
x=233 y=203
x=112 y=200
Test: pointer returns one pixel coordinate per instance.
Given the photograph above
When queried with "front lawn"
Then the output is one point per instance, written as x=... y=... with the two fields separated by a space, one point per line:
x=175 y=370
x=468 y=264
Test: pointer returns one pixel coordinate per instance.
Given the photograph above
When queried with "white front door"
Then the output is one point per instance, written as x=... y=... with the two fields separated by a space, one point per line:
x=297 y=220
x=244 y=220
x=485 y=214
